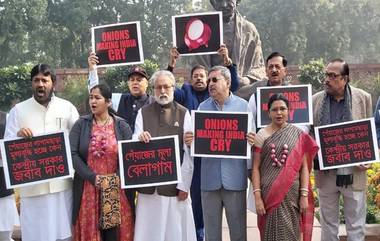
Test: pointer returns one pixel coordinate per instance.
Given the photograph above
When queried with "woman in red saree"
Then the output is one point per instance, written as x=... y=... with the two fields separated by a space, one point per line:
x=281 y=166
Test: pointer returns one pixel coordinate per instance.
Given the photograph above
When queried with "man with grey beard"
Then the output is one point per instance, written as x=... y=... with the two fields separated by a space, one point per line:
x=164 y=212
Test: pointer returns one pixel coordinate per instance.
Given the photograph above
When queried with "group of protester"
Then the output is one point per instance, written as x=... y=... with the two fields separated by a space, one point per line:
x=282 y=153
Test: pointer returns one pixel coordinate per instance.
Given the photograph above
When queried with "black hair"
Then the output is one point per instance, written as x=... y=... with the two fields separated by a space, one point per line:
x=346 y=70
x=198 y=66
x=277 y=54
x=44 y=69
x=275 y=97
x=105 y=91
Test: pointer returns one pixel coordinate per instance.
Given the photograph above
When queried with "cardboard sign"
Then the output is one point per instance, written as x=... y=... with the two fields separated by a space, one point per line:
x=347 y=144
x=198 y=33
x=149 y=164
x=300 y=101
x=36 y=160
x=221 y=134
x=117 y=44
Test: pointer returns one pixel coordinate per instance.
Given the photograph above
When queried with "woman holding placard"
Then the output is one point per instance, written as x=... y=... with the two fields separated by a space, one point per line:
x=281 y=167
x=101 y=211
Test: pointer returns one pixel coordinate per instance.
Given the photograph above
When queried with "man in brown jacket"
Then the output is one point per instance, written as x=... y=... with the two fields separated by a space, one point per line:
x=340 y=102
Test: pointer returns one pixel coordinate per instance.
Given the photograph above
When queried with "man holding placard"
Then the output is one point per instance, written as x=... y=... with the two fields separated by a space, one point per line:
x=163 y=213
x=223 y=180
x=340 y=102
x=46 y=208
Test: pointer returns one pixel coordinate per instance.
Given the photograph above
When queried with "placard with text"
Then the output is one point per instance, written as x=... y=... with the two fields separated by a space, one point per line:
x=300 y=104
x=149 y=164
x=221 y=134
x=197 y=33
x=29 y=161
x=347 y=144
x=117 y=44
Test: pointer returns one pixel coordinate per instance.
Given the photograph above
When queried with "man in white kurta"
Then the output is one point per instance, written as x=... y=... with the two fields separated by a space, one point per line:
x=162 y=215
x=45 y=209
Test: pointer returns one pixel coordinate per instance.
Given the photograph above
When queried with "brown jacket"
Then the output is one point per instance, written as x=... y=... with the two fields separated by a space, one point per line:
x=361 y=109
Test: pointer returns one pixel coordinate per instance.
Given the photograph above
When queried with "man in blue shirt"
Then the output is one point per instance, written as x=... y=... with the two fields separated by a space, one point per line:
x=223 y=180
x=191 y=95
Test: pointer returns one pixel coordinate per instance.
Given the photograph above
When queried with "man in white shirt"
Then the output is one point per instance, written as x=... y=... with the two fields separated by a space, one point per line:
x=46 y=208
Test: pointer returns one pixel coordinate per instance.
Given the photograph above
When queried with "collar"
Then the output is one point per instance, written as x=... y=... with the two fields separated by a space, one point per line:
x=226 y=102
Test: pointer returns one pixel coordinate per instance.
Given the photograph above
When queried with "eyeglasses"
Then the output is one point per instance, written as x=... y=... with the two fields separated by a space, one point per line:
x=214 y=79
x=165 y=87
x=332 y=76
x=281 y=109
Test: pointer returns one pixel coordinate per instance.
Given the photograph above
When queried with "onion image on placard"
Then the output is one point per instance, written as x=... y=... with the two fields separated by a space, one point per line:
x=197 y=34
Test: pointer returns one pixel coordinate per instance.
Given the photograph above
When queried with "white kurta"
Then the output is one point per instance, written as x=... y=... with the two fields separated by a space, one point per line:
x=162 y=218
x=9 y=214
x=46 y=208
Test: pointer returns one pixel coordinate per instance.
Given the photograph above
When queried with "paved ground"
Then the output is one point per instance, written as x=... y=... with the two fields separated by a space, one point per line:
x=253 y=231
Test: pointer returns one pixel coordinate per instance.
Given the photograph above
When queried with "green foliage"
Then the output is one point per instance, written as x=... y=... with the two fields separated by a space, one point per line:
x=312 y=73
x=308 y=29
x=116 y=78
x=75 y=90
x=15 y=85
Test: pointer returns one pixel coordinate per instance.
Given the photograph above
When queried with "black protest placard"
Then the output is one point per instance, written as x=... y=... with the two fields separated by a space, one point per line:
x=149 y=164
x=347 y=144
x=300 y=104
x=220 y=134
x=117 y=44
x=197 y=33
x=36 y=160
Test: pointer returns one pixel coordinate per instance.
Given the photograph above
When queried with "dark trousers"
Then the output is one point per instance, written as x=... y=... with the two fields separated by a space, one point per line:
x=196 y=201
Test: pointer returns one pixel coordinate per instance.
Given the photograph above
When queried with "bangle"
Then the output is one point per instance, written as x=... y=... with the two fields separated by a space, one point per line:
x=304 y=189
x=256 y=190
x=304 y=194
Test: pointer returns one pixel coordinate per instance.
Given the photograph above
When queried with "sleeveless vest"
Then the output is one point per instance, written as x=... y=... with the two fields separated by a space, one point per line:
x=154 y=122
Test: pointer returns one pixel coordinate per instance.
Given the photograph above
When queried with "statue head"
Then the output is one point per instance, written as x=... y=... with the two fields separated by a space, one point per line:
x=228 y=7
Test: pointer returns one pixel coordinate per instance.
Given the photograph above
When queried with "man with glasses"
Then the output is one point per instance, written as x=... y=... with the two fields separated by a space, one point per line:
x=163 y=213
x=341 y=102
x=223 y=180
x=191 y=95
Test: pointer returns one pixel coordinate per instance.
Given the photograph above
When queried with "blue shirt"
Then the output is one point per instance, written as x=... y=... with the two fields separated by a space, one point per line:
x=231 y=174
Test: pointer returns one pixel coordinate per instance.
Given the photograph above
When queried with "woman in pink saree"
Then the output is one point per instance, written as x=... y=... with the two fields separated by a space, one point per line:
x=281 y=166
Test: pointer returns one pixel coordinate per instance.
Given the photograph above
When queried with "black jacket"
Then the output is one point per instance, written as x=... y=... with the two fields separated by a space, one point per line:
x=80 y=136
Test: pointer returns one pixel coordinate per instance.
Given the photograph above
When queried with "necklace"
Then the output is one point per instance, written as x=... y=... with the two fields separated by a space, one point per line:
x=283 y=155
x=102 y=123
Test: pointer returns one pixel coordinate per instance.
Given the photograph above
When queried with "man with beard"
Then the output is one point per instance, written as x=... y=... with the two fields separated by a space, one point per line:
x=191 y=95
x=243 y=43
x=163 y=213
x=46 y=208
x=341 y=102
